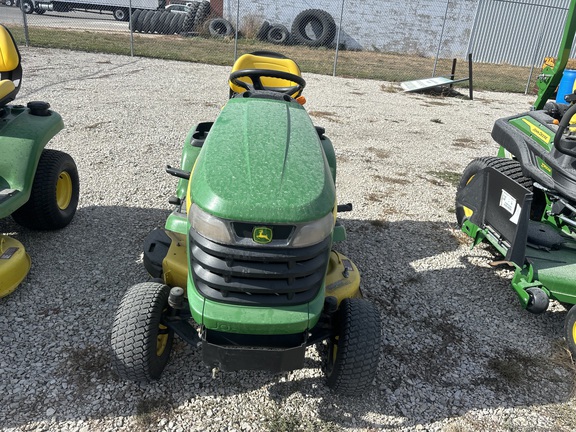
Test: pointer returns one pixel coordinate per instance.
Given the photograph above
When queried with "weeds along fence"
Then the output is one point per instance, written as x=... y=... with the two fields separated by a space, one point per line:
x=389 y=40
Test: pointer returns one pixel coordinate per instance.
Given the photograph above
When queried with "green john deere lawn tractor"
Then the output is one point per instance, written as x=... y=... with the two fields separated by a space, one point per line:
x=38 y=187
x=523 y=202
x=244 y=266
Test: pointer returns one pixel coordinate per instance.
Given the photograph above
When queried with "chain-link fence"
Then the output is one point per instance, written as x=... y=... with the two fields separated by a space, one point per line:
x=388 y=40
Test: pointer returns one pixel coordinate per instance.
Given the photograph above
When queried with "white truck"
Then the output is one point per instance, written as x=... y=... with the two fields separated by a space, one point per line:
x=119 y=8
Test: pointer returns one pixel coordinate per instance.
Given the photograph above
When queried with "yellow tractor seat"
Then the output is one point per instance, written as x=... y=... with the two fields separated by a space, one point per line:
x=10 y=67
x=266 y=60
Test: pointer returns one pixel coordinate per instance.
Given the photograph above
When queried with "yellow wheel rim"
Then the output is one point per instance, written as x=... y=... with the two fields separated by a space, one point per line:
x=574 y=333
x=64 y=190
x=467 y=211
x=161 y=341
x=333 y=353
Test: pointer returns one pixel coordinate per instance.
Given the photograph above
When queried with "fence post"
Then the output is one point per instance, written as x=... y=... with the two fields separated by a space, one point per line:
x=537 y=50
x=441 y=36
x=131 y=29
x=474 y=24
x=236 y=31
x=338 y=39
x=25 y=21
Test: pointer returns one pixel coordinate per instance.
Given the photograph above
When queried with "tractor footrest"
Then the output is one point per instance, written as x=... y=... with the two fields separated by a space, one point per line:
x=233 y=352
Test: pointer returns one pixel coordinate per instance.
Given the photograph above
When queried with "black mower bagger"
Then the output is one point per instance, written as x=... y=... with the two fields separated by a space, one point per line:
x=523 y=202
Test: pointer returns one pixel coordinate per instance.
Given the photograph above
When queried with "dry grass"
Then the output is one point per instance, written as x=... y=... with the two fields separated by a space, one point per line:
x=562 y=357
x=330 y=116
x=379 y=153
x=150 y=411
x=390 y=67
x=250 y=26
x=450 y=177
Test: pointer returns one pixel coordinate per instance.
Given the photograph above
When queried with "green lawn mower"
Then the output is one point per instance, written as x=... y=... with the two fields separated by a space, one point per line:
x=244 y=267
x=523 y=202
x=38 y=187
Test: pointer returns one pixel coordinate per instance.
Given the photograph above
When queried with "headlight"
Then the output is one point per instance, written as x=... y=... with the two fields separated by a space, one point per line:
x=209 y=226
x=314 y=232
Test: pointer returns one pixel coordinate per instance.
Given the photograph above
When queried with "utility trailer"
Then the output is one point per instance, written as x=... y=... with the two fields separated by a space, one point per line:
x=119 y=8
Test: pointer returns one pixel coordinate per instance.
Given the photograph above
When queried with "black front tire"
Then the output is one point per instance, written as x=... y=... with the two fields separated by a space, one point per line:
x=538 y=302
x=354 y=352
x=55 y=191
x=141 y=344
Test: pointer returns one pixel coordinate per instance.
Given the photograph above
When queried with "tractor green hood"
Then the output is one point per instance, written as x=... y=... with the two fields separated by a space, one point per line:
x=263 y=162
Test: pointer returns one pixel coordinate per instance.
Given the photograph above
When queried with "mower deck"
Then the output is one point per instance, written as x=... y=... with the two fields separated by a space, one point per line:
x=555 y=268
x=14 y=264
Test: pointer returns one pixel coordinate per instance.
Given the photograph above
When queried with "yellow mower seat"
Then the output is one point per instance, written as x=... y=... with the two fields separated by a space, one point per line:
x=266 y=60
x=10 y=67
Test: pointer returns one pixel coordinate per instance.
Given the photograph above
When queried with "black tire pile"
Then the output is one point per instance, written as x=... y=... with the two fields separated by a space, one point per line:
x=166 y=22
x=311 y=27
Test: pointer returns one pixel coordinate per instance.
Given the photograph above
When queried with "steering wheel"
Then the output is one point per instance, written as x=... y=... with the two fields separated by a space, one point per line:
x=256 y=74
x=561 y=129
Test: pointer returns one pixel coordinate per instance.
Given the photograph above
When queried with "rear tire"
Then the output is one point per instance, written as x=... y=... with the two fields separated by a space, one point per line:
x=201 y=15
x=354 y=353
x=220 y=27
x=322 y=26
x=263 y=31
x=154 y=22
x=278 y=35
x=27 y=6
x=162 y=26
x=570 y=330
x=145 y=18
x=141 y=344
x=189 y=17
x=121 y=14
x=508 y=167
x=134 y=20
x=54 y=196
x=173 y=24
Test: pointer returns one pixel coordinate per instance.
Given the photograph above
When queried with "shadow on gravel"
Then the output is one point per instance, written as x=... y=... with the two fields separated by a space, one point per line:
x=455 y=339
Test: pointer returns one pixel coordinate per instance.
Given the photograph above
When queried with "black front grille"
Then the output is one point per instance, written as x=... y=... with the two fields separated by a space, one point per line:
x=260 y=276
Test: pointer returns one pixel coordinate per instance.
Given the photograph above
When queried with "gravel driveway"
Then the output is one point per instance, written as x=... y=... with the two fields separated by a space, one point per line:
x=459 y=353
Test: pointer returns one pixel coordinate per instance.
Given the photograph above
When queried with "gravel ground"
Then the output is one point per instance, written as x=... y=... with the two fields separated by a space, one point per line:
x=458 y=354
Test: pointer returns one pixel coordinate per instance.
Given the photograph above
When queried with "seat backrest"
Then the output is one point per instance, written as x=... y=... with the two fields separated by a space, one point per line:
x=266 y=60
x=10 y=67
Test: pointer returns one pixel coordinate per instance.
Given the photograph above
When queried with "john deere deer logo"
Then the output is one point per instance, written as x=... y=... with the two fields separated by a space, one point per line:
x=262 y=235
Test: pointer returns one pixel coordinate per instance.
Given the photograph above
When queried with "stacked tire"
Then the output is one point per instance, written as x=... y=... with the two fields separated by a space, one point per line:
x=166 y=22
x=160 y=22
x=311 y=27
x=314 y=27
x=220 y=27
x=276 y=34
x=196 y=16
